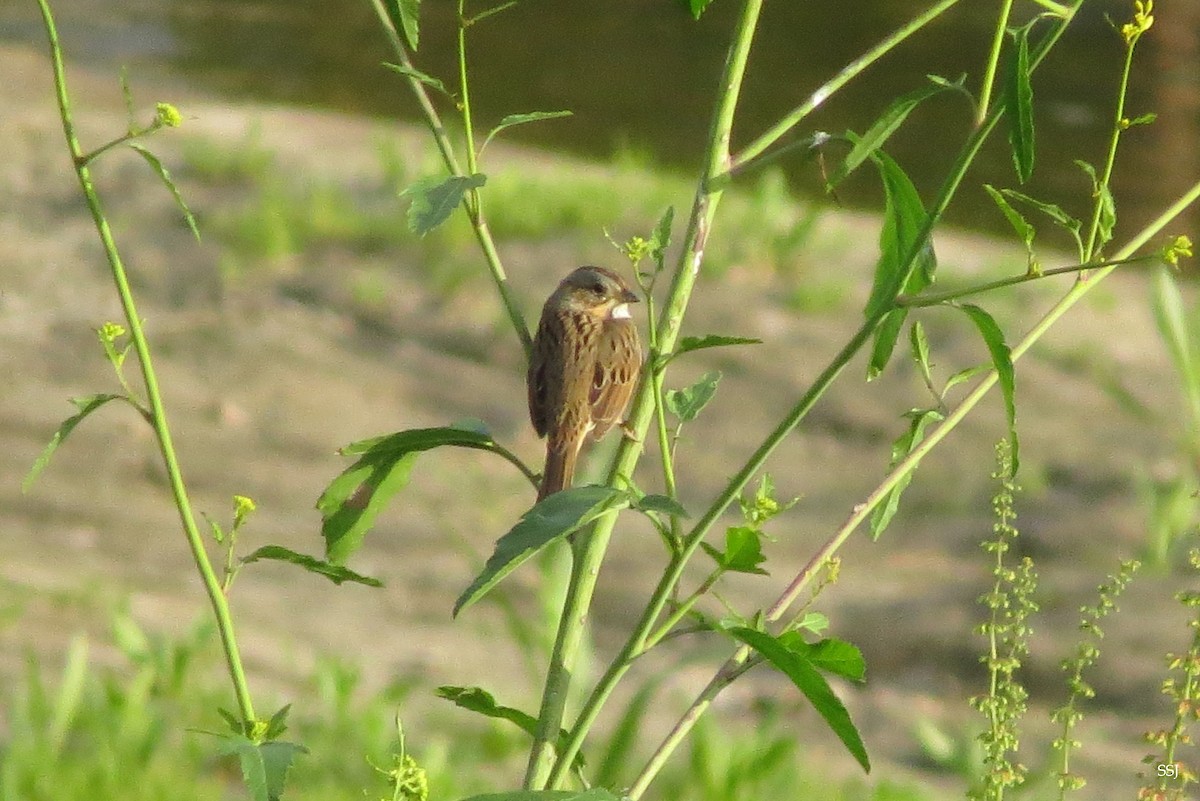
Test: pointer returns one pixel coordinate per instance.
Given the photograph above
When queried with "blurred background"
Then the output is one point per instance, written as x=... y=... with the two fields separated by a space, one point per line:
x=309 y=317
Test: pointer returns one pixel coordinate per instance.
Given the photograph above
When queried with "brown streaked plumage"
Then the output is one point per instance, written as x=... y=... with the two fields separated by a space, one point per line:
x=585 y=362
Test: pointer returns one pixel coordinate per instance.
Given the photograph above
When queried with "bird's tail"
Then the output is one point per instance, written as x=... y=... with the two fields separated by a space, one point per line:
x=559 y=471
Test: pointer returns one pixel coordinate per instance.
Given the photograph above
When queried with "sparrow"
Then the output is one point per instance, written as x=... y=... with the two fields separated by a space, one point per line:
x=584 y=364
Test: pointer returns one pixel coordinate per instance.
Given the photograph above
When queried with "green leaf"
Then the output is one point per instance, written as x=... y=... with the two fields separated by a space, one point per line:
x=743 y=551
x=1054 y=212
x=352 y=501
x=919 y=348
x=660 y=240
x=264 y=765
x=165 y=177
x=885 y=341
x=417 y=75
x=476 y=699
x=831 y=655
x=1018 y=107
x=594 y=794
x=277 y=725
x=662 y=504
x=689 y=344
x=906 y=261
x=965 y=374
x=335 y=573
x=1108 y=206
x=404 y=15
x=620 y=750
x=1172 y=320
x=1001 y=354
x=697 y=7
x=1017 y=221
x=919 y=419
x=435 y=199
x=882 y=129
x=687 y=403
x=127 y=94
x=86 y=405
x=522 y=119
x=800 y=668
x=1142 y=119
x=554 y=517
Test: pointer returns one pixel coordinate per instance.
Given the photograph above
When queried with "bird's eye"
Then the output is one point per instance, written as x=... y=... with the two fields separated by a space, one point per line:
x=597 y=287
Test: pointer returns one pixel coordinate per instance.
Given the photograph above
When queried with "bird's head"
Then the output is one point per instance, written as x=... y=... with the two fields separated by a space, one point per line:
x=597 y=291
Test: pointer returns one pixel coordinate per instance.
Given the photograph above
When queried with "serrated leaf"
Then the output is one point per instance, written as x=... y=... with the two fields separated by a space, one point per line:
x=86 y=405
x=906 y=262
x=1054 y=212
x=335 y=573
x=264 y=765
x=277 y=725
x=687 y=403
x=830 y=654
x=522 y=119
x=799 y=667
x=661 y=504
x=1017 y=221
x=417 y=75
x=352 y=501
x=743 y=551
x=1103 y=196
x=1001 y=354
x=1018 y=106
x=405 y=17
x=919 y=419
x=435 y=199
x=594 y=794
x=882 y=129
x=165 y=177
x=553 y=518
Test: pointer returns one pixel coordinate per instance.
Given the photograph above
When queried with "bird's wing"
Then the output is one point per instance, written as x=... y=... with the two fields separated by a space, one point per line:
x=618 y=359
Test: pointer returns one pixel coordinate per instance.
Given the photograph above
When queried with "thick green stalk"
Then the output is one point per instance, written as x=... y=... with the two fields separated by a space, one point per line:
x=590 y=549
x=158 y=415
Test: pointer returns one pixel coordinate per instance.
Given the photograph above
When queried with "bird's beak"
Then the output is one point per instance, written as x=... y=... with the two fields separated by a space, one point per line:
x=629 y=297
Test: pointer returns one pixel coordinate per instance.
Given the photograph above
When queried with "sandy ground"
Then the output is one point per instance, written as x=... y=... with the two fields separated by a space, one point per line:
x=265 y=379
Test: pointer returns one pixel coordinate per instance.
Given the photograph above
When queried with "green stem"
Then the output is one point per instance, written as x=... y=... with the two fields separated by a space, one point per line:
x=934 y=298
x=993 y=62
x=737 y=484
x=158 y=418
x=590 y=549
x=1111 y=157
x=861 y=511
x=849 y=72
x=471 y=201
